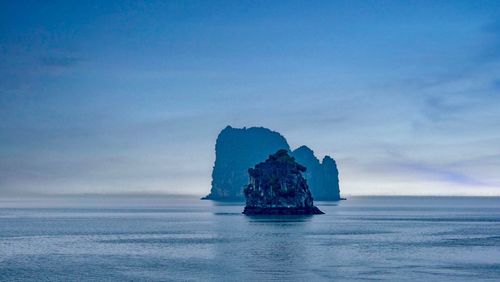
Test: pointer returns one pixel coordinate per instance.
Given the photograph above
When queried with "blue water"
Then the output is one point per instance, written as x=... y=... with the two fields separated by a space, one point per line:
x=363 y=238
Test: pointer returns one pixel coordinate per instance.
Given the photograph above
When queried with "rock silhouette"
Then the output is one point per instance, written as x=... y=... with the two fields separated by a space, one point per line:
x=322 y=177
x=277 y=187
x=238 y=149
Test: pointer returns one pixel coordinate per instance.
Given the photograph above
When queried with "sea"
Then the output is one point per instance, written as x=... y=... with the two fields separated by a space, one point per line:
x=158 y=238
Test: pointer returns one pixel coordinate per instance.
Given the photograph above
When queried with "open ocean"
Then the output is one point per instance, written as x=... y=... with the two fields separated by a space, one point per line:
x=363 y=238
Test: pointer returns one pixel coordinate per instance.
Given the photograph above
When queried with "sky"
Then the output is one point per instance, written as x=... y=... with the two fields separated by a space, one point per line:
x=109 y=97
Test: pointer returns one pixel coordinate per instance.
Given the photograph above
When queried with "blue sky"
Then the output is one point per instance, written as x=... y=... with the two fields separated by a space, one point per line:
x=129 y=96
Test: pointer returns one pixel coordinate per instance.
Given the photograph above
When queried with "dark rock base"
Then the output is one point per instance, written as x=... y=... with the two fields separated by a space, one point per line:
x=281 y=211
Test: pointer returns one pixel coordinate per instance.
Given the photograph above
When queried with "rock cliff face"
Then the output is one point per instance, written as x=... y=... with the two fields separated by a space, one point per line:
x=236 y=150
x=322 y=177
x=277 y=187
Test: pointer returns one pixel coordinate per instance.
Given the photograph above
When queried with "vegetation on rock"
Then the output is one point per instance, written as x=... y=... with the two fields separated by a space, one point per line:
x=278 y=187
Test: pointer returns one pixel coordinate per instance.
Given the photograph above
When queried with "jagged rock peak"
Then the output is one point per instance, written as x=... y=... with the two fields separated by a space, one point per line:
x=329 y=161
x=322 y=177
x=277 y=187
x=304 y=149
x=306 y=154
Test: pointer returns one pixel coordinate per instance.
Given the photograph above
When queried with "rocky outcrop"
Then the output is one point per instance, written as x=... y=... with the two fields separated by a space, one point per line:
x=322 y=177
x=236 y=150
x=277 y=187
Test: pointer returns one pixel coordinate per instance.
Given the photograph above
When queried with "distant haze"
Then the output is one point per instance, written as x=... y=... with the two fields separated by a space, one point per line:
x=113 y=97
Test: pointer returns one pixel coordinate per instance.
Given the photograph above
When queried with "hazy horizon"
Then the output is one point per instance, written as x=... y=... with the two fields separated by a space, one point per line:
x=121 y=97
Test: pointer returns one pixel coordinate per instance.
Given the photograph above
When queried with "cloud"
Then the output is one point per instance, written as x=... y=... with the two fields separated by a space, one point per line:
x=439 y=173
x=438 y=109
x=418 y=165
x=116 y=172
x=413 y=171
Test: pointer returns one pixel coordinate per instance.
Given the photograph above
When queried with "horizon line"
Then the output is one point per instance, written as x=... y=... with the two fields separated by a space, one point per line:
x=199 y=196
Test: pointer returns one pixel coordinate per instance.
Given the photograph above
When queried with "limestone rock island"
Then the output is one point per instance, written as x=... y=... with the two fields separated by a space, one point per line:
x=236 y=150
x=278 y=187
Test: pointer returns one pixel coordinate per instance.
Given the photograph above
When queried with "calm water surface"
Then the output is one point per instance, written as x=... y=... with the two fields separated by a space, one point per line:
x=363 y=238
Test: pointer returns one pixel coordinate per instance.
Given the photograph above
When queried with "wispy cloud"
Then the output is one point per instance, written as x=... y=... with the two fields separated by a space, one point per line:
x=439 y=173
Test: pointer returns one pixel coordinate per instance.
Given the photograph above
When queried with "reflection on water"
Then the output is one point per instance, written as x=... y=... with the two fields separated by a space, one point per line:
x=372 y=238
x=278 y=218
